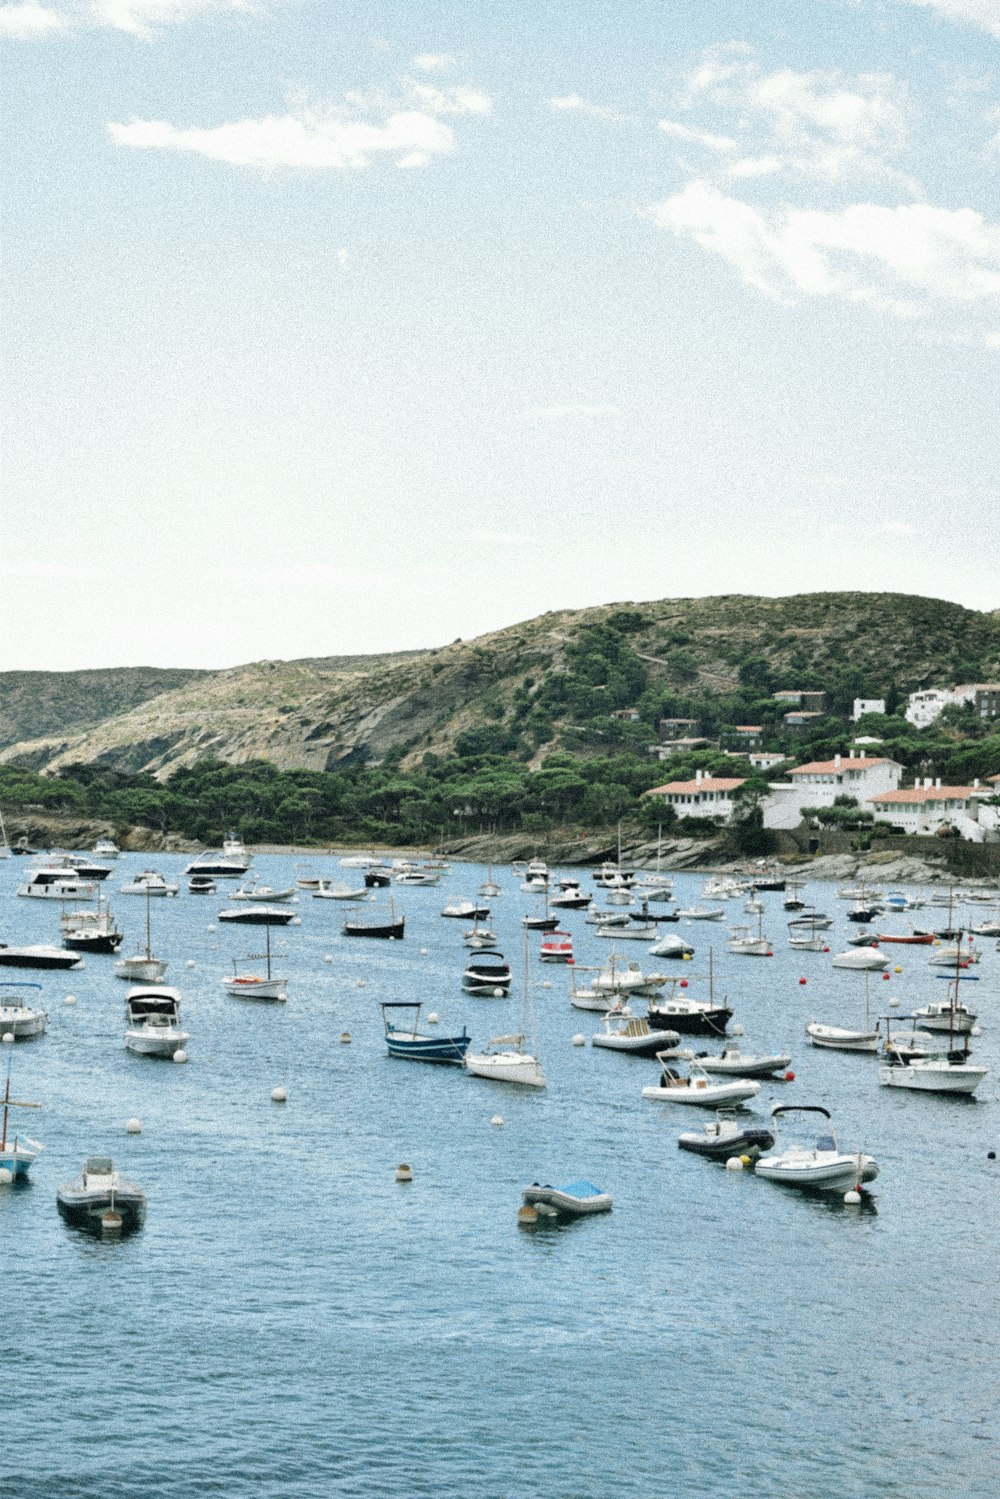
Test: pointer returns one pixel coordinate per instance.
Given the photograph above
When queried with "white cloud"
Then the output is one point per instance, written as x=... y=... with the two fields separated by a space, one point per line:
x=906 y=260
x=576 y=104
x=452 y=101
x=434 y=62
x=982 y=13
x=822 y=124
x=698 y=137
x=29 y=20
x=561 y=412
x=141 y=17
x=317 y=140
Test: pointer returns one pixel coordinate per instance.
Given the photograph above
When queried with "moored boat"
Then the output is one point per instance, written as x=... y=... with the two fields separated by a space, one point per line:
x=822 y=1167
x=725 y=1136
x=695 y=1086
x=38 y=955
x=412 y=1045
x=18 y=1017
x=152 y=1013
x=577 y=1200
x=101 y=1200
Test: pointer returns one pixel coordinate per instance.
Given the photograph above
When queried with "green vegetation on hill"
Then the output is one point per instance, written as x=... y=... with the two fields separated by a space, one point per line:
x=34 y=704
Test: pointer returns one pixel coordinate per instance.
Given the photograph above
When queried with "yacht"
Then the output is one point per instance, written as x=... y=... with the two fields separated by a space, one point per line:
x=153 y=1015
x=38 y=955
x=19 y=1018
x=57 y=882
x=106 y=848
x=149 y=883
x=231 y=864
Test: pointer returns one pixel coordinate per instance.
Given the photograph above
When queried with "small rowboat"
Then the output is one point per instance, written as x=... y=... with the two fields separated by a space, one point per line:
x=913 y=939
x=578 y=1200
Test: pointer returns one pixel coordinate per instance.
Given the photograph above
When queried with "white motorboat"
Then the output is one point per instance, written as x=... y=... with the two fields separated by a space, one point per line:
x=931 y=1067
x=202 y=884
x=671 y=946
x=630 y=1033
x=57 y=882
x=152 y=1013
x=254 y=890
x=596 y=917
x=513 y=1059
x=487 y=974
x=18 y=1153
x=412 y=874
x=822 y=1167
x=624 y=977
x=570 y=898
x=863 y=959
x=534 y=884
x=231 y=864
x=325 y=890
x=19 y=1018
x=465 y=910
x=257 y=986
x=732 y=1062
x=703 y=913
x=802 y=943
x=811 y=921
x=152 y=883
x=695 y=1086
x=633 y=932
x=948 y=954
x=948 y=1015
x=38 y=955
x=101 y=1200
x=307 y=877
x=106 y=848
x=480 y=937
x=725 y=1136
x=249 y=915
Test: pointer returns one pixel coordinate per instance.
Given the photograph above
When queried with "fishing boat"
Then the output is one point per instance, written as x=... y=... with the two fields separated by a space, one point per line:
x=633 y=1034
x=745 y=944
x=18 y=1153
x=557 y=947
x=260 y=916
x=142 y=967
x=583 y=995
x=18 y=1018
x=736 y=1063
x=694 y=1086
x=678 y=1010
x=375 y=921
x=570 y=898
x=326 y=890
x=91 y=931
x=488 y=973
x=543 y=922
x=578 y=1200
x=821 y=1167
x=257 y=986
x=725 y=1136
x=489 y=888
x=38 y=955
x=513 y=1059
x=846 y=1038
x=793 y=900
x=923 y=1069
x=948 y=1015
x=479 y=936
x=253 y=890
x=406 y=1041
x=630 y=932
x=152 y=1014
x=101 y=1201
x=465 y=910
x=150 y=882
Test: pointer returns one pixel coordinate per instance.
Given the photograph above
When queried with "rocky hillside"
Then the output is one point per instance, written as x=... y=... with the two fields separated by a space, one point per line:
x=546 y=674
x=35 y=704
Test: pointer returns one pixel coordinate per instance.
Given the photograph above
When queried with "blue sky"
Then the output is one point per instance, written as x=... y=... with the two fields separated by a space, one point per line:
x=340 y=327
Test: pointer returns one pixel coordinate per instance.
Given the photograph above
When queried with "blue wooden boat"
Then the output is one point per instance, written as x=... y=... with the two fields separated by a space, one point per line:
x=577 y=1200
x=407 y=1041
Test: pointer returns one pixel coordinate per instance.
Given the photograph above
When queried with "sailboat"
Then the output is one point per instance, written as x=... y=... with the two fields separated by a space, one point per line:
x=692 y=1017
x=842 y=1038
x=660 y=886
x=923 y=1069
x=489 y=888
x=142 y=968
x=512 y=1059
x=743 y=942
x=256 y=985
x=17 y=1155
x=543 y=923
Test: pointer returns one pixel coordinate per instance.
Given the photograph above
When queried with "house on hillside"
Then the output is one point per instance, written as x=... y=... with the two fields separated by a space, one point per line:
x=926 y=706
x=928 y=807
x=764 y=760
x=705 y=796
x=677 y=728
x=681 y=747
x=820 y=782
x=810 y=702
x=744 y=735
x=863 y=705
x=800 y=719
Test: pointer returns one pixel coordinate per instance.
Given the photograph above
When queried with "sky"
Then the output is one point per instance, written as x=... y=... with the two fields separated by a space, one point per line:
x=336 y=327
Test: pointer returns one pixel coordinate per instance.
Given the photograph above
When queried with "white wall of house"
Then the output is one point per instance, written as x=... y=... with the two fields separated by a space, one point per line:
x=924 y=707
x=847 y=775
x=863 y=705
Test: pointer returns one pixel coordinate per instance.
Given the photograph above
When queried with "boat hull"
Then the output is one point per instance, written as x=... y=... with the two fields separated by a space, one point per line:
x=140 y=970
x=85 y=1209
x=707 y=1095
x=933 y=1077
x=38 y=957
x=838 y=1174
x=834 y=1038
x=566 y=1201
x=158 y=1042
x=711 y=1021
x=506 y=1067
x=414 y=1048
x=720 y=1145
x=248 y=987
x=393 y=930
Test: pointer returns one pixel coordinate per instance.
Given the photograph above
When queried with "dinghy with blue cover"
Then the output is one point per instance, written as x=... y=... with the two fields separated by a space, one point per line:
x=406 y=1041
x=577 y=1200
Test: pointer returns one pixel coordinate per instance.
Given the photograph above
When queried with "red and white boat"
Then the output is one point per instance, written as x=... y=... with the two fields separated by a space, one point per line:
x=914 y=939
x=557 y=947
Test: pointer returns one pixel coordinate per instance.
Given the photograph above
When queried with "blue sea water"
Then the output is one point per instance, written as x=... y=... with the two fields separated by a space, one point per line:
x=291 y=1321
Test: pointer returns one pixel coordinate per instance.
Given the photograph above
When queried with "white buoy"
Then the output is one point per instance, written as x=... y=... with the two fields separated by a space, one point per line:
x=7 y=1038
x=432 y=1018
x=328 y=957
x=498 y=994
x=404 y=1173
x=180 y=1055
x=6 y=1176
x=189 y=963
x=894 y=1002
x=737 y=1030
x=361 y=983
x=279 y=1095
x=70 y=999
x=546 y=984
x=579 y=1039
x=423 y=952
x=497 y=1120
x=133 y=1126
x=853 y=1197
x=212 y=927
x=734 y=1163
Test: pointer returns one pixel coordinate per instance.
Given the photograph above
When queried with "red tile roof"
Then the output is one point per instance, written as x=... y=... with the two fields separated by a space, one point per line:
x=688 y=788
x=830 y=767
x=915 y=795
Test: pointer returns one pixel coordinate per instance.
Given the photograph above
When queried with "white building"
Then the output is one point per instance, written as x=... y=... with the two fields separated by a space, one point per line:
x=819 y=783
x=924 y=707
x=764 y=760
x=929 y=806
x=705 y=796
x=863 y=705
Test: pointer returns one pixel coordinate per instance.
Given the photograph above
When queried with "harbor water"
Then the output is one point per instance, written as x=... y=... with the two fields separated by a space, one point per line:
x=292 y=1321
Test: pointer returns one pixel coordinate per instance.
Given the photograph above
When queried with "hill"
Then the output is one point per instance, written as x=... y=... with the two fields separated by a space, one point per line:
x=554 y=682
